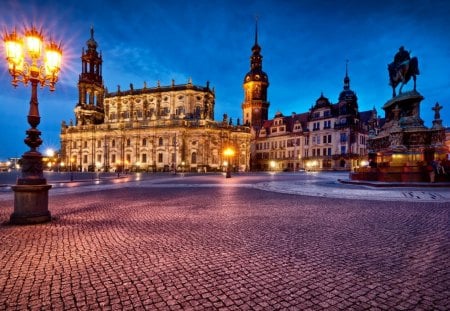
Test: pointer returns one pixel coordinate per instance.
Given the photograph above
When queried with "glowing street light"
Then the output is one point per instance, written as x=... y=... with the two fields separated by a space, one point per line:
x=229 y=153
x=50 y=152
x=273 y=164
x=32 y=60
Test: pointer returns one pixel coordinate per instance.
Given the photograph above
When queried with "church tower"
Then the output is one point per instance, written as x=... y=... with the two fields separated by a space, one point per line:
x=91 y=91
x=255 y=107
x=348 y=101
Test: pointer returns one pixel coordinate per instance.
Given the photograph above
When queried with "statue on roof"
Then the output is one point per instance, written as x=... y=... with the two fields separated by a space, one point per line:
x=437 y=108
x=402 y=69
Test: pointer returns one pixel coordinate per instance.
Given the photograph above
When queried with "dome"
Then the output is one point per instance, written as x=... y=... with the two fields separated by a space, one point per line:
x=256 y=75
x=348 y=96
x=322 y=102
x=256 y=48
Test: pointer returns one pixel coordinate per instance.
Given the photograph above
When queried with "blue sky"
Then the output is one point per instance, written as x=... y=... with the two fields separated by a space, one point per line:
x=305 y=45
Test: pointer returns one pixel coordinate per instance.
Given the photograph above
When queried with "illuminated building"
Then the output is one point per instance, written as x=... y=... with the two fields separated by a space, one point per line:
x=327 y=137
x=159 y=128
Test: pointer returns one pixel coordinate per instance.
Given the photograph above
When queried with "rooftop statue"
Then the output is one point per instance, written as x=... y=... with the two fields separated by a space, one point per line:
x=402 y=69
x=437 y=108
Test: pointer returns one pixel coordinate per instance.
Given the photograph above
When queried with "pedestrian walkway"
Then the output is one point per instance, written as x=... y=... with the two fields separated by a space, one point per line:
x=329 y=185
x=345 y=190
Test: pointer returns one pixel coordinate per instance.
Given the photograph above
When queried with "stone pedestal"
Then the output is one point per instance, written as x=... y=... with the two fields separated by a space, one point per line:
x=30 y=204
x=404 y=147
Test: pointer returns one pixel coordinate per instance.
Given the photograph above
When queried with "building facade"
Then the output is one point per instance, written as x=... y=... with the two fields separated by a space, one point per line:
x=157 y=128
x=172 y=127
x=327 y=137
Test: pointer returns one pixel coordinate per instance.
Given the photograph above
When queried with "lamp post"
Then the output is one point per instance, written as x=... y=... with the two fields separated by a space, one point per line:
x=228 y=153
x=26 y=64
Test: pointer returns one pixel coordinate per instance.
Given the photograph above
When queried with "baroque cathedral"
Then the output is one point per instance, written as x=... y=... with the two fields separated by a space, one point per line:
x=169 y=128
x=161 y=128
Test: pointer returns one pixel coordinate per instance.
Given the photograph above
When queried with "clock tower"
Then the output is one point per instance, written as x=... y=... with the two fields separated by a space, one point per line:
x=255 y=107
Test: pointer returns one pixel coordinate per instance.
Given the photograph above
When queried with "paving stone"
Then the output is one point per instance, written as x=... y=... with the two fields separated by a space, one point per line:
x=239 y=248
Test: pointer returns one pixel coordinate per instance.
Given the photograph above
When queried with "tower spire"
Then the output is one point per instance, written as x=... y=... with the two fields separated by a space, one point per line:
x=346 y=68
x=256 y=30
x=346 y=79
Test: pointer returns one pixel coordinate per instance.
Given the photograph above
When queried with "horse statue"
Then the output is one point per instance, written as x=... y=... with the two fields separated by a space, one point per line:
x=402 y=69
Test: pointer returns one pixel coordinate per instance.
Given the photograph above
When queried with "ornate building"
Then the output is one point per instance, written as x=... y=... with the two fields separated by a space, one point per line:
x=171 y=127
x=327 y=137
x=148 y=129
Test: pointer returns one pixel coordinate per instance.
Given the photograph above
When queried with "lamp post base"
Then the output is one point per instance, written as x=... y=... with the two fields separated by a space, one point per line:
x=30 y=204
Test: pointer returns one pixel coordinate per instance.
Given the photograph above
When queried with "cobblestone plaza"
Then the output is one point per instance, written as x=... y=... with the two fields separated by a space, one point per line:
x=251 y=242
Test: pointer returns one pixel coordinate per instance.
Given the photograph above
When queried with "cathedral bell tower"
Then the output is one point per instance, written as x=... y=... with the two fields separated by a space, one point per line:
x=91 y=91
x=255 y=107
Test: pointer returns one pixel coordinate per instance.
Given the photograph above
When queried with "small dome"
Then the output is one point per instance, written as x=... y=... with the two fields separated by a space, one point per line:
x=256 y=48
x=322 y=102
x=256 y=75
x=348 y=95
x=278 y=114
x=91 y=43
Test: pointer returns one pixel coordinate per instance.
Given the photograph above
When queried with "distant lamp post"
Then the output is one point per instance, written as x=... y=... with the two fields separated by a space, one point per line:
x=72 y=164
x=228 y=153
x=138 y=166
x=28 y=62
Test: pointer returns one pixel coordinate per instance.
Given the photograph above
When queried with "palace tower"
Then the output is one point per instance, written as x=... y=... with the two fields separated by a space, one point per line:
x=255 y=106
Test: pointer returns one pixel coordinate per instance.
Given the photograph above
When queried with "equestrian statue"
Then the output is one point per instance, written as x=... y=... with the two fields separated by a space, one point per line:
x=402 y=69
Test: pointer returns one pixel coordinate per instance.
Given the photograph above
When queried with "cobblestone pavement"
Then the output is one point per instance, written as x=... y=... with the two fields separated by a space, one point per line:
x=221 y=244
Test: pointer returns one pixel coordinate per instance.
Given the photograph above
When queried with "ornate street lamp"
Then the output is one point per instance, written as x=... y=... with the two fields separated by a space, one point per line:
x=29 y=62
x=228 y=153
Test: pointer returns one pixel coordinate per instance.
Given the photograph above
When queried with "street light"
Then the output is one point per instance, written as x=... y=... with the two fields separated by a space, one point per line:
x=27 y=62
x=229 y=152
x=272 y=165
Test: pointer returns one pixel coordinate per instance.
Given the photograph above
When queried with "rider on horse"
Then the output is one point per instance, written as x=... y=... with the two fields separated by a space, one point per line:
x=401 y=58
x=402 y=69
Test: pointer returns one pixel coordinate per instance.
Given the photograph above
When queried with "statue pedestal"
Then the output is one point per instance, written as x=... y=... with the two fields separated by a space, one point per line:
x=404 y=147
x=404 y=111
x=30 y=204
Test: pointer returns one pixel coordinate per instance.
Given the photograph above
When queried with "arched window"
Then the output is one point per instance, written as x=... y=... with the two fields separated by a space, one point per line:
x=144 y=142
x=197 y=112
x=113 y=143
x=128 y=142
x=161 y=142
x=194 y=158
x=180 y=110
